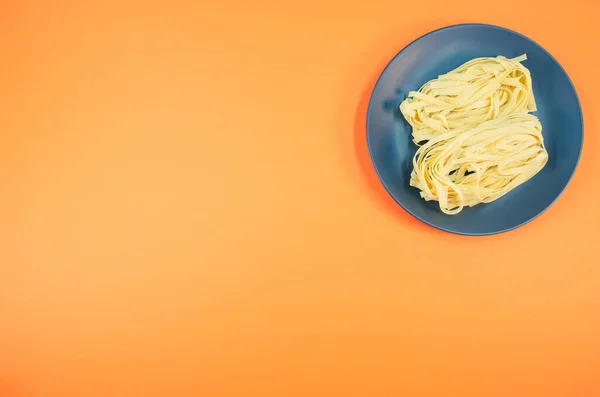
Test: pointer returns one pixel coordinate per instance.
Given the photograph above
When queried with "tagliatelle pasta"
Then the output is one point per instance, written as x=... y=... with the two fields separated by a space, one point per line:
x=477 y=139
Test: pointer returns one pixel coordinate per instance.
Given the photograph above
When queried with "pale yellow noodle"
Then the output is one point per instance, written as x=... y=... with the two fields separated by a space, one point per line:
x=478 y=139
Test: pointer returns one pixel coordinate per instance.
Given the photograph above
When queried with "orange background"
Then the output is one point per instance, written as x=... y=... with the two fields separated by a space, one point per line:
x=187 y=208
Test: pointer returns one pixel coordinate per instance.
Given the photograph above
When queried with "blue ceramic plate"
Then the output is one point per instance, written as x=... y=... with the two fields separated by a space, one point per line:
x=389 y=135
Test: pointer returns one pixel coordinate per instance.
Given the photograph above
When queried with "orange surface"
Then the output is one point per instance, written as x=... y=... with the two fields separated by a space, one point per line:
x=187 y=208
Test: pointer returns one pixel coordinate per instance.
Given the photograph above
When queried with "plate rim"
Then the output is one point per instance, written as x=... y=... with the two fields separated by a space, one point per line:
x=444 y=229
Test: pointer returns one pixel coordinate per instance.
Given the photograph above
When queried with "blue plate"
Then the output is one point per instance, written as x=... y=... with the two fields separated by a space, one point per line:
x=389 y=135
